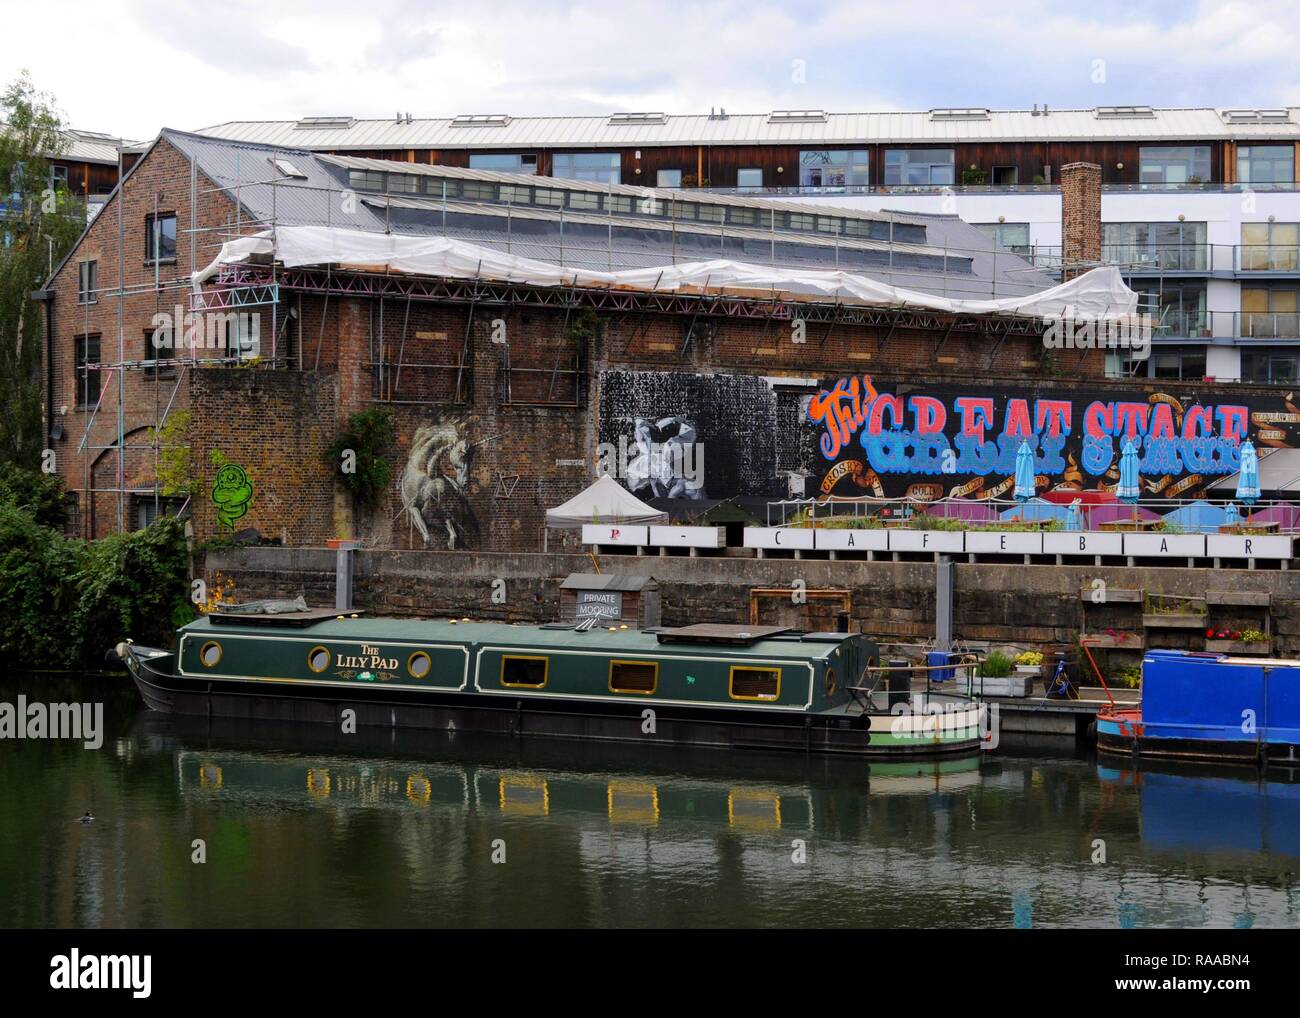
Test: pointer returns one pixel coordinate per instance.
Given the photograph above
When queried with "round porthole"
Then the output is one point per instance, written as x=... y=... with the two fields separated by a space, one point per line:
x=318 y=659
x=831 y=684
x=418 y=664
x=210 y=654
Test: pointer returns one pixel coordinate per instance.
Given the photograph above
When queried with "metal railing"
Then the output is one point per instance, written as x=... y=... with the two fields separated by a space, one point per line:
x=1220 y=514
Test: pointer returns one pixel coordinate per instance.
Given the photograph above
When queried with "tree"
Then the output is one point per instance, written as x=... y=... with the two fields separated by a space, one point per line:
x=40 y=220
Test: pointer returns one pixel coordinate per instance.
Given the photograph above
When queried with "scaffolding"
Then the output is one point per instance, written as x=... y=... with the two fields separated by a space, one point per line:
x=267 y=286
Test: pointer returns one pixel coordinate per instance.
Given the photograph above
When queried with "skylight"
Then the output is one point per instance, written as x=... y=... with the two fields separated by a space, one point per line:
x=638 y=118
x=960 y=113
x=324 y=123
x=480 y=120
x=1125 y=113
x=797 y=117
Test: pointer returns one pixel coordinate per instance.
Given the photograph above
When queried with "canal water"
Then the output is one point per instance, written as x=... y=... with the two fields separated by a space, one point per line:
x=303 y=826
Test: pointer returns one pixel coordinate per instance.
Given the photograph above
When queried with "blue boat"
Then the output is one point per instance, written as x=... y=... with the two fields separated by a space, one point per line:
x=1209 y=707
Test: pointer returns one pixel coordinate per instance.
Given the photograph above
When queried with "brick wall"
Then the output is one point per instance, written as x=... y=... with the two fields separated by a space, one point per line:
x=1080 y=217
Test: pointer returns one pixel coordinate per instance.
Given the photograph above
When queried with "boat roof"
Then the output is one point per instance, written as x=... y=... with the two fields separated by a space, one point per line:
x=770 y=643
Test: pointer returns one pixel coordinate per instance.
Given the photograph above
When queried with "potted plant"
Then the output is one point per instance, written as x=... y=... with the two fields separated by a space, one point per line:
x=1029 y=662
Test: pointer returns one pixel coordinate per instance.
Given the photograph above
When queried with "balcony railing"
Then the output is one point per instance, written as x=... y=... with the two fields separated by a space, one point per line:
x=1267 y=258
x=1054 y=188
x=1269 y=325
x=1138 y=258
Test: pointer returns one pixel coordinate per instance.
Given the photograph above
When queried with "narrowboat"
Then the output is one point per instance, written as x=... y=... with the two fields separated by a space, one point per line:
x=1209 y=707
x=726 y=686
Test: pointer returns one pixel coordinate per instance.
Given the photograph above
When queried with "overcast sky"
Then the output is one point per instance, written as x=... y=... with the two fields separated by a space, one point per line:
x=130 y=67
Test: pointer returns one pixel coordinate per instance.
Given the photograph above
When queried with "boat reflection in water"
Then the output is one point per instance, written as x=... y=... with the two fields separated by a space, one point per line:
x=1187 y=808
x=402 y=827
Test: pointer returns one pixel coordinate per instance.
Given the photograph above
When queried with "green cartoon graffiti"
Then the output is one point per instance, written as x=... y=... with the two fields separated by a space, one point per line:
x=232 y=493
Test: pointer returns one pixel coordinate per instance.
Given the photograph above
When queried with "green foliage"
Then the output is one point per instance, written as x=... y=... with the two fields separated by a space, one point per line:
x=367 y=437
x=997 y=665
x=39 y=494
x=1129 y=676
x=65 y=602
x=174 y=477
x=39 y=226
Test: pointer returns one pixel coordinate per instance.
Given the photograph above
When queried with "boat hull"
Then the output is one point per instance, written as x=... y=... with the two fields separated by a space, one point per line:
x=1123 y=733
x=867 y=735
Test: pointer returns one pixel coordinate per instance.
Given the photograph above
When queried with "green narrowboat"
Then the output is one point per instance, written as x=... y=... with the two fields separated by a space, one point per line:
x=722 y=686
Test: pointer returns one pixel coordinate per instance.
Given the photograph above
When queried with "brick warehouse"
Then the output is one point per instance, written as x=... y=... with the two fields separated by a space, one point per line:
x=502 y=391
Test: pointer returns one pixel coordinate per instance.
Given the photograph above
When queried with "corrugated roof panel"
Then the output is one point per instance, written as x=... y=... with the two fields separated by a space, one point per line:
x=1203 y=124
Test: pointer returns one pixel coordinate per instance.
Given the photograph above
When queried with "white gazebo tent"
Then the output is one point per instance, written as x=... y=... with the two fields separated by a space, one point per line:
x=606 y=501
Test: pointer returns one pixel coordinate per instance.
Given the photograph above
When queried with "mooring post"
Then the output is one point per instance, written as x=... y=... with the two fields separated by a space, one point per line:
x=944 y=571
x=343 y=573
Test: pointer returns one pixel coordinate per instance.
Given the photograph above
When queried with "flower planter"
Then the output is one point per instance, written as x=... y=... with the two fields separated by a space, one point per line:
x=1263 y=647
x=1173 y=620
x=1119 y=641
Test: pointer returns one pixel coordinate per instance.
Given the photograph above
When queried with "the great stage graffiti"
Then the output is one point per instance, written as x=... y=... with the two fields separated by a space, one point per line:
x=962 y=443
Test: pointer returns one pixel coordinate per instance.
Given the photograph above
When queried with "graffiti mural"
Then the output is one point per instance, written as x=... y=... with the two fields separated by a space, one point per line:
x=960 y=442
x=232 y=494
x=861 y=435
x=435 y=485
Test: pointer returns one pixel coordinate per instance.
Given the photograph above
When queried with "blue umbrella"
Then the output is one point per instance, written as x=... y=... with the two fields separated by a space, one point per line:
x=1075 y=520
x=1232 y=515
x=1130 y=487
x=1026 y=481
x=1248 y=478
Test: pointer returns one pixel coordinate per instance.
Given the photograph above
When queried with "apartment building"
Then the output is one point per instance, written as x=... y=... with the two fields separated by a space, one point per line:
x=1200 y=207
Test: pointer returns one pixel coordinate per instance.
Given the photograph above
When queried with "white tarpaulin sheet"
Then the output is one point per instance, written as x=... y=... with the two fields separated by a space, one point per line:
x=1100 y=293
x=606 y=501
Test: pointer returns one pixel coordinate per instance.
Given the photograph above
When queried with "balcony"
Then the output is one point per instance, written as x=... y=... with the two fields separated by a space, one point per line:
x=1284 y=258
x=1139 y=259
x=1268 y=325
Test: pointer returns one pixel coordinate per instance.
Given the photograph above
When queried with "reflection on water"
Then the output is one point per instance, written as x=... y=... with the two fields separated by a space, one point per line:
x=306 y=826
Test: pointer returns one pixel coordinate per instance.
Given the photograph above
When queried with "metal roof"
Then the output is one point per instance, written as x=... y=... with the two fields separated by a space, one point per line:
x=92 y=147
x=603 y=131
x=956 y=260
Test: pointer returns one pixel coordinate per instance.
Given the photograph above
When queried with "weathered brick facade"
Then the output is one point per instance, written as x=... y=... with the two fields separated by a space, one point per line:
x=1080 y=217
x=518 y=387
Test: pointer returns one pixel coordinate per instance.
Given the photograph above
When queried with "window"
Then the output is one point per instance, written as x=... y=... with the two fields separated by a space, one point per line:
x=210 y=654
x=148 y=509
x=549 y=196
x=584 y=200
x=668 y=178
x=834 y=168
x=755 y=683
x=318 y=659
x=1171 y=246
x=1122 y=364
x=1265 y=164
x=87 y=353
x=1012 y=237
x=618 y=203
x=1276 y=365
x=1270 y=247
x=516 y=195
x=1178 y=306
x=800 y=221
x=479 y=190
x=1181 y=164
x=523 y=672
x=749 y=177
x=418 y=664
x=159 y=361
x=504 y=162
x=87 y=282
x=682 y=210
x=1005 y=176
x=633 y=677
x=600 y=167
x=742 y=217
x=1270 y=312
x=58 y=177
x=160 y=237
x=1179 y=364
x=366 y=180
x=403 y=183
x=919 y=166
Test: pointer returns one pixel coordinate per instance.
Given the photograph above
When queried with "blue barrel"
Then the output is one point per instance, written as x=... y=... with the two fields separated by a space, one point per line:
x=938 y=659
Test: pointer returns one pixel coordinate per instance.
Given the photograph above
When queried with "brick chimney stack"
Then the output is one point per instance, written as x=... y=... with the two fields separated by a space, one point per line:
x=1080 y=218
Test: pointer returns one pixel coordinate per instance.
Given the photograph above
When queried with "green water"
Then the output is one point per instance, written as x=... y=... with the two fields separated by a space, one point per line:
x=303 y=826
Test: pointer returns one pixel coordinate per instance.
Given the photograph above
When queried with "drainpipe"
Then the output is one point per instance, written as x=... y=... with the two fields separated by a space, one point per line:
x=47 y=298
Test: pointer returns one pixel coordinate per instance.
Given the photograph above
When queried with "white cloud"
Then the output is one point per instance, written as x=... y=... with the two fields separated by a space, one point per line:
x=138 y=65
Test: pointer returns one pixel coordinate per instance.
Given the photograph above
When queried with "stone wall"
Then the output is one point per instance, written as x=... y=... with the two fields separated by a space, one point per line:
x=1038 y=606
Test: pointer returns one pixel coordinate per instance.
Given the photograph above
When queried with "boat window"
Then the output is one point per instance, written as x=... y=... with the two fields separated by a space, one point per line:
x=633 y=676
x=755 y=683
x=318 y=659
x=831 y=684
x=529 y=672
x=418 y=664
x=210 y=654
